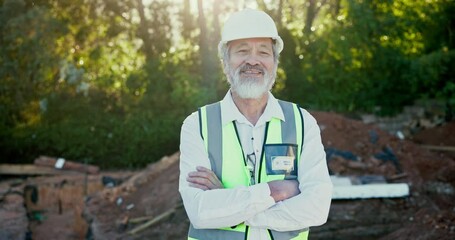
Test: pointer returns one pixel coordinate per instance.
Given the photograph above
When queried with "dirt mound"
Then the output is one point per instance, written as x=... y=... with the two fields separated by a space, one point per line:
x=116 y=213
x=378 y=152
x=428 y=213
x=438 y=138
x=146 y=204
x=353 y=148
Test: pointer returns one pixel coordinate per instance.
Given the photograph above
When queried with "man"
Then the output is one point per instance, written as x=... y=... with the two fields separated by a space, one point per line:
x=252 y=166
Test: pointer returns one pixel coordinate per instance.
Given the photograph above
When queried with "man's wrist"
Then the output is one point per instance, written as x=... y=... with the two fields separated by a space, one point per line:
x=283 y=189
x=275 y=191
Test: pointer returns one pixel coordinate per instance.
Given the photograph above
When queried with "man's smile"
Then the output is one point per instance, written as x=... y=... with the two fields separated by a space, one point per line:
x=251 y=71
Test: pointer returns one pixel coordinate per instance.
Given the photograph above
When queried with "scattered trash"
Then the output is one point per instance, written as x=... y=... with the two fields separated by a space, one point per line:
x=439 y=188
x=110 y=182
x=387 y=154
x=122 y=224
x=430 y=190
x=400 y=135
x=373 y=136
x=368 y=179
x=37 y=216
x=119 y=201
x=331 y=152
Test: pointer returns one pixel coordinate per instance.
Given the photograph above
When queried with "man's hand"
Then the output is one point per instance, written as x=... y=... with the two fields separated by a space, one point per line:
x=283 y=189
x=204 y=179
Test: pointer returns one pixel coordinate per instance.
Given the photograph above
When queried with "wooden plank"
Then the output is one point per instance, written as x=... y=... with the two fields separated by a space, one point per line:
x=154 y=220
x=439 y=148
x=30 y=169
x=64 y=164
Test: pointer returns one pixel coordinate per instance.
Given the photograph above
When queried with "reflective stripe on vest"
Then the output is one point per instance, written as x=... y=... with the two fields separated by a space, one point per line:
x=224 y=143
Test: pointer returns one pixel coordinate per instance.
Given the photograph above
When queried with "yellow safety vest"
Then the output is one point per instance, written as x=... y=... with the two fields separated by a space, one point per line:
x=223 y=142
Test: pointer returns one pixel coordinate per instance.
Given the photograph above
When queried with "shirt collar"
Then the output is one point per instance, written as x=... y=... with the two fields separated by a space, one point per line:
x=230 y=112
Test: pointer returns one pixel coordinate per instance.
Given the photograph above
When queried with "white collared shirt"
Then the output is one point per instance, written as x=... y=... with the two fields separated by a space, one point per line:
x=253 y=205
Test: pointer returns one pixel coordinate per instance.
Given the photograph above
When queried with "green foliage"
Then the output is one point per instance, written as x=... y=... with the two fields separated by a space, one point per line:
x=433 y=76
x=111 y=81
x=28 y=57
x=110 y=138
x=370 y=55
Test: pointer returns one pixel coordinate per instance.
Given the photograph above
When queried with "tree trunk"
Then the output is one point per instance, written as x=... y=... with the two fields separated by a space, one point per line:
x=279 y=15
x=336 y=8
x=206 y=69
x=310 y=16
x=262 y=5
x=312 y=13
x=143 y=32
x=187 y=20
x=216 y=37
x=216 y=24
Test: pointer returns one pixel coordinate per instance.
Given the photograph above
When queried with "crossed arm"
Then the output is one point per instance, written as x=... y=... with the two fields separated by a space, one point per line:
x=205 y=179
x=282 y=205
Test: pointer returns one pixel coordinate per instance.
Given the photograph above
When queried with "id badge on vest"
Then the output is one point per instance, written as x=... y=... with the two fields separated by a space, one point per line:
x=281 y=159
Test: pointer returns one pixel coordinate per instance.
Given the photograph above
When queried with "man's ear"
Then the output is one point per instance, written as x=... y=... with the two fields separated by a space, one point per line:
x=223 y=64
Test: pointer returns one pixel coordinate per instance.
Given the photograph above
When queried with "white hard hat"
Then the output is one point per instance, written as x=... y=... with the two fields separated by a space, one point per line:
x=249 y=23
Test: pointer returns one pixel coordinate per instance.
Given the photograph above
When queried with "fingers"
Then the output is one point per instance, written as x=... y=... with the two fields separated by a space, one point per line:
x=203 y=187
x=204 y=179
x=200 y=181
x=211 y=176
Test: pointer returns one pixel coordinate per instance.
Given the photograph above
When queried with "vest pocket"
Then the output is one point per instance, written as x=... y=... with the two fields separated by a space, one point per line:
x=281 y=159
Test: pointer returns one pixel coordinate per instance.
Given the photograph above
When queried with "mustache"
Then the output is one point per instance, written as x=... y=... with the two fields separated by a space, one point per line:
x=248 y=67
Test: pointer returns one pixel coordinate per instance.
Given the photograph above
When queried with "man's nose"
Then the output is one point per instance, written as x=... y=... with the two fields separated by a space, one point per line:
x=252 y=59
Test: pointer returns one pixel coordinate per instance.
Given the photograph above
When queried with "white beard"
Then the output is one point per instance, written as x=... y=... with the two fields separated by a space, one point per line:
x=250 y=87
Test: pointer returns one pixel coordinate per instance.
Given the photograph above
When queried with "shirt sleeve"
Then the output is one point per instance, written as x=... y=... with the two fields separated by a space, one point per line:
x=311 y=206
x=220 y=207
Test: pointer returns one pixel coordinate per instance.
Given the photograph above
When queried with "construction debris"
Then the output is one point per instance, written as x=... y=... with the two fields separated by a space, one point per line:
x=346 y=188
x=59 y=208
x=421 y=214
x=13 y=218
x=154 y=192
x=30 y=169
x=394 y=173
x=61 y=163
x=48 y=207
x=439 y=148
x=154 y=220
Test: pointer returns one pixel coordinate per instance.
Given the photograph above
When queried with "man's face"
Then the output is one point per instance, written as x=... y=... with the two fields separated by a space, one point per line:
x=251 y=68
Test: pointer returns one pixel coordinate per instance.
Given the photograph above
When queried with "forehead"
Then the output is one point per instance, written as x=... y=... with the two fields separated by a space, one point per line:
x=248 y=42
